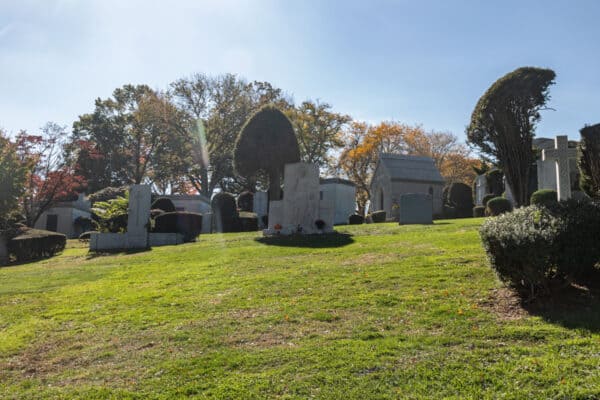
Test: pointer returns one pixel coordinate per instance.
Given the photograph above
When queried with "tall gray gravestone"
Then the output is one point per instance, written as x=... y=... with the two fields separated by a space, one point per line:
x=140 y=199
x=416 y=208
x=560 y=155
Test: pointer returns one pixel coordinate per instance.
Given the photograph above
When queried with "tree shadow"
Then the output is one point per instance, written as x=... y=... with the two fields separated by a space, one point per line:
x=328 y=240
x=574 y=307
x=95 y=254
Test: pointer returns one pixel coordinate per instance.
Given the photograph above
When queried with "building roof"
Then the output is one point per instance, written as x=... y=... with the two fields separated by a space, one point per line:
x=410 y=168
x=342 y=181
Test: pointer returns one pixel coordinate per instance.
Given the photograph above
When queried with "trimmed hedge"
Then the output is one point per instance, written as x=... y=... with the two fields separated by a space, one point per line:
x=544 y=197
x=460 y=196
x=487 y=198
x=378 y=216
x=189 y=224
x=478 y=211
x=162 y=203
x=356 y=219
x=248 y=222
x=31 y=244
x=497 y=206
x=533 y=247
x=225 y=214
x=245 y=201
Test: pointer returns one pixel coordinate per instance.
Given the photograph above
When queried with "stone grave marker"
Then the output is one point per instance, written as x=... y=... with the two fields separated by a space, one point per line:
x=416 y=208
x=261 y=205
x=560 y=155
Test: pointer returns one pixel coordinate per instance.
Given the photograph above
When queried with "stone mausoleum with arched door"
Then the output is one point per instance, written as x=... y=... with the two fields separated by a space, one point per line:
x=396 y=175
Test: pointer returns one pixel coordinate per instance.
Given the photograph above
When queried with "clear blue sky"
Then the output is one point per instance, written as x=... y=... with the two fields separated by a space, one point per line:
x=413 y=61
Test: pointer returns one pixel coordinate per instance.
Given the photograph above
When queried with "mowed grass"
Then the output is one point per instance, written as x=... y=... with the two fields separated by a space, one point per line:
x=380 y=312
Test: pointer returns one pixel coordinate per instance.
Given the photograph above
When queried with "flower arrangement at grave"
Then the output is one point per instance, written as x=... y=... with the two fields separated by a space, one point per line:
x=320 y=224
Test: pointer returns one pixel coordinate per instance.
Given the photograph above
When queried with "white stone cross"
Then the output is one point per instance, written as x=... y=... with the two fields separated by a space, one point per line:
x=561 y=154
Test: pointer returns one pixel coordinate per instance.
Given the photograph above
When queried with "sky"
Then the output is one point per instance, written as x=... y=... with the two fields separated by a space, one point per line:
x=418 y=62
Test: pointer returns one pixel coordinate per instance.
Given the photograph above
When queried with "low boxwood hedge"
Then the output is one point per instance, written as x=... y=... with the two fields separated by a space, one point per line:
x=31 y=244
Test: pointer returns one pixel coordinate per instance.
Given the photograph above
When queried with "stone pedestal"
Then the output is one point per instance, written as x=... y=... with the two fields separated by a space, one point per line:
x=301 y=206
x=416 y=208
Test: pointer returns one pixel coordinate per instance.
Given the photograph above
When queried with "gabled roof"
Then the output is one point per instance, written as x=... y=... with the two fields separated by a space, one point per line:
x=410 y=168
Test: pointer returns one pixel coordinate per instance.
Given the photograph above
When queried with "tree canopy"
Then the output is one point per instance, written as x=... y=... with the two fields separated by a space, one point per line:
x=13 y=173
x=503 y=124
x=266 y=143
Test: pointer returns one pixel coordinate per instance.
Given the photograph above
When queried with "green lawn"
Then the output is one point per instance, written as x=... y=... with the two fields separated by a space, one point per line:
x=381 y=312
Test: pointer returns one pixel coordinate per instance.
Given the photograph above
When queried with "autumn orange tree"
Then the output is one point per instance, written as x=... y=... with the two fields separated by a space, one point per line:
x=364 y=143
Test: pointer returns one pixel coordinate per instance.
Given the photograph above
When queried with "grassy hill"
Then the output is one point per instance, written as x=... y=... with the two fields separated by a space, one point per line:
x=382 y=311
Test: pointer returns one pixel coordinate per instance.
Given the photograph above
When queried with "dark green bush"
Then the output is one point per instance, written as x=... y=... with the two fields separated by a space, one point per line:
x=487 y=198
x=497 y=206
x=520 y=246
x=189 y=224
x=460 y=197
x=577 y=249
x=162 y=203
x=356 y=219
x=478 y=211
x=225 y=214
x=588 y=160
x=248 y=222
x=245 y=201
x=378 y=216
x=544 y=197
x=495 y=181
x=31 y=244
x=448 y=212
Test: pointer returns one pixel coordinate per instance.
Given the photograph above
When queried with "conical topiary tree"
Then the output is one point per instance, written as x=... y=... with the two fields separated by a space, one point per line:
x=266 y=143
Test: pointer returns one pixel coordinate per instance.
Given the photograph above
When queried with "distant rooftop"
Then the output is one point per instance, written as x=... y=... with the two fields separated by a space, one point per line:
x=411 y=168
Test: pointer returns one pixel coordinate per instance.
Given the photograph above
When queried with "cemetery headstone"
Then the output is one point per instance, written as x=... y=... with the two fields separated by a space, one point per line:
x=261 y=205
x=416 y=208
x=560 y=155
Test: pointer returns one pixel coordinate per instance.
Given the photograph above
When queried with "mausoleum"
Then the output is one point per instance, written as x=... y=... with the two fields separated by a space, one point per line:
x=397 y=174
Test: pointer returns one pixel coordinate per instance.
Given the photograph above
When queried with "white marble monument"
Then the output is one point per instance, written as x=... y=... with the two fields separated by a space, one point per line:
x=481 y=189
x=260 y=207
x=559 y=156
x=301 y=206
x=137 y=236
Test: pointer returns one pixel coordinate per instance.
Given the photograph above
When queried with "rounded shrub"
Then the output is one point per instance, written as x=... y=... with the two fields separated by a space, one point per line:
x=520 y=247
x=478 y=211
x=245 y=201
x=225 y=214
x=487 y=198
x=31 y=244
x=544 y=197
x=460 y=196
x=162 y=203
x=533 y=247
x=188 y=224
x=378 y=216
x=356 y=219
x=497 y=206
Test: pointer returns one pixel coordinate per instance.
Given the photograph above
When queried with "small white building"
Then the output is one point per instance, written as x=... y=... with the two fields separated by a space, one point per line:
x=71 y=218
x=397 y=174
x=342 y=193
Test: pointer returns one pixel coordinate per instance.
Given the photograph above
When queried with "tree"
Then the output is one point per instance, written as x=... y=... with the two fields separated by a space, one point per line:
x=49 y=178
x=319 y=131
x=588 y=160
x=266 y=143
x=503 y=124
x=13 y=173
x=357 y=161
x=136 y=136
x=221 y=105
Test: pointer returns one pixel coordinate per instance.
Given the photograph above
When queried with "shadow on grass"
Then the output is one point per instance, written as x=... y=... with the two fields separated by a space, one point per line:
x=311 y=241
x=574 y=307
x=95 y=254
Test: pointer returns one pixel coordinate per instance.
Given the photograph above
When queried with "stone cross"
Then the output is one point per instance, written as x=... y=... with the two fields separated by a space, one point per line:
x=561 y=154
